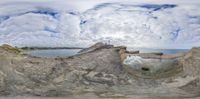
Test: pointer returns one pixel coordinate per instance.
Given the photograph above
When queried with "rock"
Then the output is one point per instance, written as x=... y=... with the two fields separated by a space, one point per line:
x=21 y=74
x=104 y=60
x=111 y=95
x=133 y=52
x=191 y=62
x=10 y=48
x=97 y=70
x=121 y=47
x=74 y=76
x=96 y=47
x=102 y=78
x=192 y=87
x=2 y=83
x=122 y=53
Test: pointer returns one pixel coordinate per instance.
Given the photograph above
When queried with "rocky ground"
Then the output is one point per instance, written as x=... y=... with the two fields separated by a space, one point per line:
x=99 y=72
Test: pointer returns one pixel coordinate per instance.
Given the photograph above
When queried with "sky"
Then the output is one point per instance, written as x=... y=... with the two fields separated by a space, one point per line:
x=134 y=23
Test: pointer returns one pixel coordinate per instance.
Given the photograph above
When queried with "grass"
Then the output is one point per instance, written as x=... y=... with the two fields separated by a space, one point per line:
x=10 y=48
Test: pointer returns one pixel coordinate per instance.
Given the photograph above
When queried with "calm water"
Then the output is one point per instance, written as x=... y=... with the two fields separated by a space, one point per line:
x=71 y=52
x=53 y=52
x=166 y=51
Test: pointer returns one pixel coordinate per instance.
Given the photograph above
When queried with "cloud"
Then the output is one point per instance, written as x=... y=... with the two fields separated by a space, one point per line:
x=148 y=24
x=157 y=26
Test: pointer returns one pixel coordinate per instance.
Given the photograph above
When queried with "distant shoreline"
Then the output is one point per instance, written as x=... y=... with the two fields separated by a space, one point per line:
x=47 y=48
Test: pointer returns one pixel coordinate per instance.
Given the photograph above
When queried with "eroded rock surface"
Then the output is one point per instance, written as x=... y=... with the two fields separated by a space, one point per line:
x=191 y=62
x=93 y=71
x=99 y=70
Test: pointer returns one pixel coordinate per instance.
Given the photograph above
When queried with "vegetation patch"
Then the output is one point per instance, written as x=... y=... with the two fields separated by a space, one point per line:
x=10 y=48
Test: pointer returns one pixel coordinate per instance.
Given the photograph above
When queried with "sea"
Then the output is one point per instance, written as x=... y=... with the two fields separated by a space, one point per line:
x=71 y=52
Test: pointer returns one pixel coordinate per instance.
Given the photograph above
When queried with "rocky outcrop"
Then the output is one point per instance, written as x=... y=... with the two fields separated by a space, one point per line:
x=96 y=70
x=99 y=70
x=96 y=46
x=10 y=49
x=191 y=62
x=133 y=52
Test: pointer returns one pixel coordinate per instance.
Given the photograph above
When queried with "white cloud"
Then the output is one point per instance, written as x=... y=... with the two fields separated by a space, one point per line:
x=80 y=23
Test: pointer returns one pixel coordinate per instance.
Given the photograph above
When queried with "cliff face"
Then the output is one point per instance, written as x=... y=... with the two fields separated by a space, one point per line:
x=98 y=70
x=191 y=68
x=191 y=62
